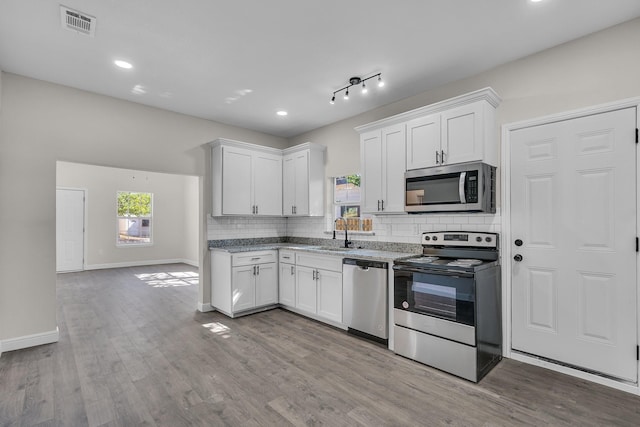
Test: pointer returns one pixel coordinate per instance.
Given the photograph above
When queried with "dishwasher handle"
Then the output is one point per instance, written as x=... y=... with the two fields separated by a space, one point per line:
x=365 y=264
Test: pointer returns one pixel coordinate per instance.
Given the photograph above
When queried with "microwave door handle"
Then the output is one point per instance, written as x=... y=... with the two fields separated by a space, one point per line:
x=463 y=178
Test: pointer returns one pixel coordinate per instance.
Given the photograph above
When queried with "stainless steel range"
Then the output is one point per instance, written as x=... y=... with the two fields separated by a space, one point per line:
x=447 y=310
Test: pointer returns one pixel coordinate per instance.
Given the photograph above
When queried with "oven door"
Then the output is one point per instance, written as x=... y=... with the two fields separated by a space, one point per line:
x=443 y=294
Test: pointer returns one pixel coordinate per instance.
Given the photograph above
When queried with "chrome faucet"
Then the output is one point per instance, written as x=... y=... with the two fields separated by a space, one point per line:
x=346 y=237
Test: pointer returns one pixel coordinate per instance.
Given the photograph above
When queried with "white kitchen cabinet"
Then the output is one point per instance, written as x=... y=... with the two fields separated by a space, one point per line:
x=329 y=290
x=243 y=283
x=306 y=290
x=266 y=284
x=287 y=279
x=303 y=180
x=455 y=130
x=319 y=286
x=457 y=135
x=383 y=157
x=423 y=141
x=463 y=134
x=247 y=179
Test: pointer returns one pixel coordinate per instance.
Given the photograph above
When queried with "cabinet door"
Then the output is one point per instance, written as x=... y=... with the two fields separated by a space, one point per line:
x=371 y=166
x=330 y=295
x=301 y=178
x=288 y=185
x=237 y=197
x=287 y=285
x=267 y=184
x=393 y=168
x=242 y=288
x=267 y=284
x=423 y=141
x=462 y=133
x=306 y=289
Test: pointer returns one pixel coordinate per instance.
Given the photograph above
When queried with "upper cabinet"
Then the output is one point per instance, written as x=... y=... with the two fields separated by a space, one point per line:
x=248 y=179
x=456 y=130
x=303 y=180
x=383 y=166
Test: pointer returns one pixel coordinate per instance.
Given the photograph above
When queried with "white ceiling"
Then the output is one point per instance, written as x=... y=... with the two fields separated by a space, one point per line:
x=239 y=61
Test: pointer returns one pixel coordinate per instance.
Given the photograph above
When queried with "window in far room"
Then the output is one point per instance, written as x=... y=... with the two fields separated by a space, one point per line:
x=346 y=204
x=134 y=218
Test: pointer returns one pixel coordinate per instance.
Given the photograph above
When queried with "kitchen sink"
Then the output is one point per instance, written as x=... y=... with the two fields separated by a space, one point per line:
x=333 y=248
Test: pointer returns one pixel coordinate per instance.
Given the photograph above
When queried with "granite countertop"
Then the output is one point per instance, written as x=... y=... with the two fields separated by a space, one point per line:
x=373 y=254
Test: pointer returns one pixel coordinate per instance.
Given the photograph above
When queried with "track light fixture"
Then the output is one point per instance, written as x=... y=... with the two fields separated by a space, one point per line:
x=354 y=81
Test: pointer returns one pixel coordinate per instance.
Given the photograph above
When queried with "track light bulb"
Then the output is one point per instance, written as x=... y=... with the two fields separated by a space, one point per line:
x=333 y=99
x=380 y=82
x=364 y=88
x=346 y=95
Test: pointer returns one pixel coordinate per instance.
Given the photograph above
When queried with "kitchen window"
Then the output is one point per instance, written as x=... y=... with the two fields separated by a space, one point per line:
x=346 y=204
x=134 y=218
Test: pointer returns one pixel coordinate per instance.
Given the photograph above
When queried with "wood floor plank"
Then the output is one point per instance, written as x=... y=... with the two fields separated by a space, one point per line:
x=134 y=351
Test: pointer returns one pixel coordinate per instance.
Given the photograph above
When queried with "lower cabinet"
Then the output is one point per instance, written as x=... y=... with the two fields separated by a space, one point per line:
x=242 y=283
x=287 y=290
x=319 y=290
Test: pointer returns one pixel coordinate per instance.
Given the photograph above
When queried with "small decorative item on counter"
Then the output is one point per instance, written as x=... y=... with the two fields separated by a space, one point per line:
x=353 y=224
x=367 y=224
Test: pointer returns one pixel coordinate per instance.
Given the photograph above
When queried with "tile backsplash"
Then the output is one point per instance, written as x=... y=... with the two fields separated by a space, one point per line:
x=386 y=228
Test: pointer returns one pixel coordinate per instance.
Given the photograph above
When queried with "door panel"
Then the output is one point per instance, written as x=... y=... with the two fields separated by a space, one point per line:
x=573 y=204
x=70 y=230
x=267 y=284
x=237 y=198
x=243 y=296
x=371 y=154
x=393 y=168
x=267 y=184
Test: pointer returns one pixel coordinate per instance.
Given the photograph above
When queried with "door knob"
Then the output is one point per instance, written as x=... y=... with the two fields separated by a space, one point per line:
x=517 y=258
x=518 y=242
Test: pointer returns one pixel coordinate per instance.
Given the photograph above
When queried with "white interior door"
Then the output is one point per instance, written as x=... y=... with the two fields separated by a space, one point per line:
x=69 y=230
x=573 y=206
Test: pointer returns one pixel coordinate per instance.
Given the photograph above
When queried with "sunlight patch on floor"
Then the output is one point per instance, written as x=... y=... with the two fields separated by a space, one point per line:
x=218 y=329
x=170 y=279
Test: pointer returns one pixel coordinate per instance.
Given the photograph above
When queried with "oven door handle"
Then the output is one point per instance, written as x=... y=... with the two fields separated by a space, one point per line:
x=453 y=273
x=463 y=178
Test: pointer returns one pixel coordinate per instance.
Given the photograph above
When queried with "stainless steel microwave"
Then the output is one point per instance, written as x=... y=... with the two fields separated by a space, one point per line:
x=463 y=187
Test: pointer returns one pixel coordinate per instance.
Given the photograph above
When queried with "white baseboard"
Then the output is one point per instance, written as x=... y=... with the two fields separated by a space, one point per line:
x=204 y=307
x=618 y=385
x=140 y=263
x=27 y=341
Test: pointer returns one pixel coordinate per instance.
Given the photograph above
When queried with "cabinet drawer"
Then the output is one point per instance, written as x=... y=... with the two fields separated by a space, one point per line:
x=287 y=257
x=321 y=262
x=249 y=258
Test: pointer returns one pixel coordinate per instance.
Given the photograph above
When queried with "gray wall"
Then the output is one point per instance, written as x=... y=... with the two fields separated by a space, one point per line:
x=41 y=123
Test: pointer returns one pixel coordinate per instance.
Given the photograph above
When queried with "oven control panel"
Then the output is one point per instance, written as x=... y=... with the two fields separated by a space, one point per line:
x=460 y=238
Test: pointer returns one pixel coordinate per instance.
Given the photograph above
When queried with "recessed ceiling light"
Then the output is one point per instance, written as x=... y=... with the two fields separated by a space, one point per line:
x=123 y=64
x=282 y=113
x=535 y=1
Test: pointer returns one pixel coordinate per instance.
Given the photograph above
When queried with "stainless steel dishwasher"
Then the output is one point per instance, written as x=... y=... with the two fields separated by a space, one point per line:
x=365 y=298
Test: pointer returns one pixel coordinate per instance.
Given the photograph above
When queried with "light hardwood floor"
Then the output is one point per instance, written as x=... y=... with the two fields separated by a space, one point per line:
x=134 y=351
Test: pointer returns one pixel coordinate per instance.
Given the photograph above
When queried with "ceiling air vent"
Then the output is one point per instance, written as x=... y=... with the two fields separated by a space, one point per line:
x=77 y=21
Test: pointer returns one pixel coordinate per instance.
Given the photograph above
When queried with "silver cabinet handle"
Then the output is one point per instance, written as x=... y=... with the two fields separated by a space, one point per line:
x=437 y=157
x=254 y=270
x=286 y=257
x=442 y=156
x=256 y=209
x=378 y=205
x=255 y=259
x=258 y=269
x=317 y=275
x=382 y=205
x=313 y=275
x=291 y=210
x=293 y=270
x=463 y=178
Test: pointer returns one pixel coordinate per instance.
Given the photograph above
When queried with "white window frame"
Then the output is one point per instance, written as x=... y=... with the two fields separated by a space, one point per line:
x=119 y=243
